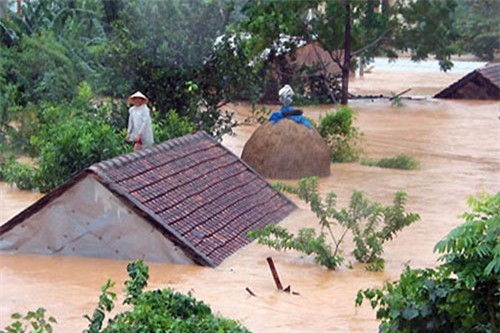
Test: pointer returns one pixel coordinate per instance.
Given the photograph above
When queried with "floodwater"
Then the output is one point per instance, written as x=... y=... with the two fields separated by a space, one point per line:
x=457 y=144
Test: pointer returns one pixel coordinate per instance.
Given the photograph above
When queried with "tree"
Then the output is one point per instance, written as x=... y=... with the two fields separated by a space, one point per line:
x=479 y=23
x=162 y=48
x=48 y=48
x=355 y=29
x=461 y=294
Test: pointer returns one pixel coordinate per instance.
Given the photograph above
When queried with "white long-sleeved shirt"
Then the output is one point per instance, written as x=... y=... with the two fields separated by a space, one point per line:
x=139 y=123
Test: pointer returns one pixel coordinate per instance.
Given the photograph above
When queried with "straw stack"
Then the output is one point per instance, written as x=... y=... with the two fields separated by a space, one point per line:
x=287 y=150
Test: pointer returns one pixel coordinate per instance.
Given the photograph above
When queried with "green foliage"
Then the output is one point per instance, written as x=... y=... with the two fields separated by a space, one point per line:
x=22 y=122
x=342 y=137
x=171 y=126
x=65 y=139
x=370 y=238
x=478 y=23
x=403 y=162
x=23 y=175
x=162 y=310
x=149 y=53
x=74 y=144
x=230 y=73
x=32 y=322
x=370 y=223
x=429 y=28
x=105 y=304
x=348 y=30
x=473 y=249
x=139 y=275
x=45 y=69
x=461 y=294
x=307 y=241
x=396 y=100
x=50 y=47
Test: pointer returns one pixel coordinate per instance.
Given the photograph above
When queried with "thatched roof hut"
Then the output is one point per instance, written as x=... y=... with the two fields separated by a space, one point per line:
x=287 y=150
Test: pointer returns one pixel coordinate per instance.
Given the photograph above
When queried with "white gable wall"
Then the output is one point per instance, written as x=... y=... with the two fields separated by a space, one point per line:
x=88 y=220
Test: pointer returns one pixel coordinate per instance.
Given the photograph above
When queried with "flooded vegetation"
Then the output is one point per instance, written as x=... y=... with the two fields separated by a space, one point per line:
x=456 y=144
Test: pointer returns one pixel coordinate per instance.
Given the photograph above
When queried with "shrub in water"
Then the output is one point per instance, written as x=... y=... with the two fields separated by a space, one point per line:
x=461 y=294
x=162 y=310
x=401 y=161
x=341 y=136
x=370 y=223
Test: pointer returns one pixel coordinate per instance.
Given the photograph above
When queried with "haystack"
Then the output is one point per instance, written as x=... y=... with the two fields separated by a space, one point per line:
x=287 y=150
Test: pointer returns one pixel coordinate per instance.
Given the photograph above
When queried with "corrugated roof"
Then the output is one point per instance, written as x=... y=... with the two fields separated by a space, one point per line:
x=202 y=196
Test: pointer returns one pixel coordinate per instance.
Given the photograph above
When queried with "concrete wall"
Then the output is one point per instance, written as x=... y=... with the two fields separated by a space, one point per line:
x=88 y=220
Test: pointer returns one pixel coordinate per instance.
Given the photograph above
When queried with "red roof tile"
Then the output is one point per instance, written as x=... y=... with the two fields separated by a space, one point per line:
x=203 y=197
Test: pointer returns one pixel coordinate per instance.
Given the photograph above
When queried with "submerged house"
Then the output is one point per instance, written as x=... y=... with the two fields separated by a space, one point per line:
x=187 y=201
x=313 y=55
x=482 y=83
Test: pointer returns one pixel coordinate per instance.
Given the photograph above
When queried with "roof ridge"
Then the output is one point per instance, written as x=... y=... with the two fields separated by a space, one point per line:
x=122 y=160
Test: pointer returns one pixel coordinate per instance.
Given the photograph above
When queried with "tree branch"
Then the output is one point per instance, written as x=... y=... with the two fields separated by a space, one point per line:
x=372 y=44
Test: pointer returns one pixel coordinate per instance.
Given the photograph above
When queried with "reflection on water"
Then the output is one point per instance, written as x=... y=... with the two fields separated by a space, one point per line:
x=457 y=145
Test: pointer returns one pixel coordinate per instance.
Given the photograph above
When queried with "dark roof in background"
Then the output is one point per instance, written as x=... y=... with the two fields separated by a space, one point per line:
x=483 y=83
x=492 y=73
x=201 y=196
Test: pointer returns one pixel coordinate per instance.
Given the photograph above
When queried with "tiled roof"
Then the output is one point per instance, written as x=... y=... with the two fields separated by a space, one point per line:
x=482 y=83
x=198 y=193
x=492 y=73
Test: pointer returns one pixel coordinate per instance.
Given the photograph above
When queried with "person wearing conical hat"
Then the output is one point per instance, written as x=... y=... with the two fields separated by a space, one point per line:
x=140 y=130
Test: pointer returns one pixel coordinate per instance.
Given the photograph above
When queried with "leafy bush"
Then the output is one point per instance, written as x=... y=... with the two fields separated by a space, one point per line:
x=461 y=294
x=342 y=138
x=307 y=241
x=34 y=321
x=162 y=310
x=64 y=140
x=370 y=223
x=403 y=162
x=73 y=145
x=23 y=175
x=5 y=160
x=171 y=126
x=370 y=238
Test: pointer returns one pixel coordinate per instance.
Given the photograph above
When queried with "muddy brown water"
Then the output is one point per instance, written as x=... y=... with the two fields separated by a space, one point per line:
x=457 y=144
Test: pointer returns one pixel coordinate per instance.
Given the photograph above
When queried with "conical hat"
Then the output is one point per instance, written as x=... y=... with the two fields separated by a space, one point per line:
x=138 y=95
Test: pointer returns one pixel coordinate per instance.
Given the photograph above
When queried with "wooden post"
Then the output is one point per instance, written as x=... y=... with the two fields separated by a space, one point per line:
x=250 y=292
x=275 y=273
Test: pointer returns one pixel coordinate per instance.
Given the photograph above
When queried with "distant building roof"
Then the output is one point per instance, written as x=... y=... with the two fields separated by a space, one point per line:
x=483 y=83
x=312 y=54
x=197 y=193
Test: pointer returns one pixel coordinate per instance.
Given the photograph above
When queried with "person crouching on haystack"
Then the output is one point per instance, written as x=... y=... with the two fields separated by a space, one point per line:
x=287 y=111
x=140 y=130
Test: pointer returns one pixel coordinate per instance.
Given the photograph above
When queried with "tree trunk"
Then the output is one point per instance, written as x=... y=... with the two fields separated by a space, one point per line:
x=347 y=54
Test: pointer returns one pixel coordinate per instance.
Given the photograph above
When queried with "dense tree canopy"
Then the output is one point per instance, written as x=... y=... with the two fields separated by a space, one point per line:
x=190 y=57
x=356 y=29
x=479 y=23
